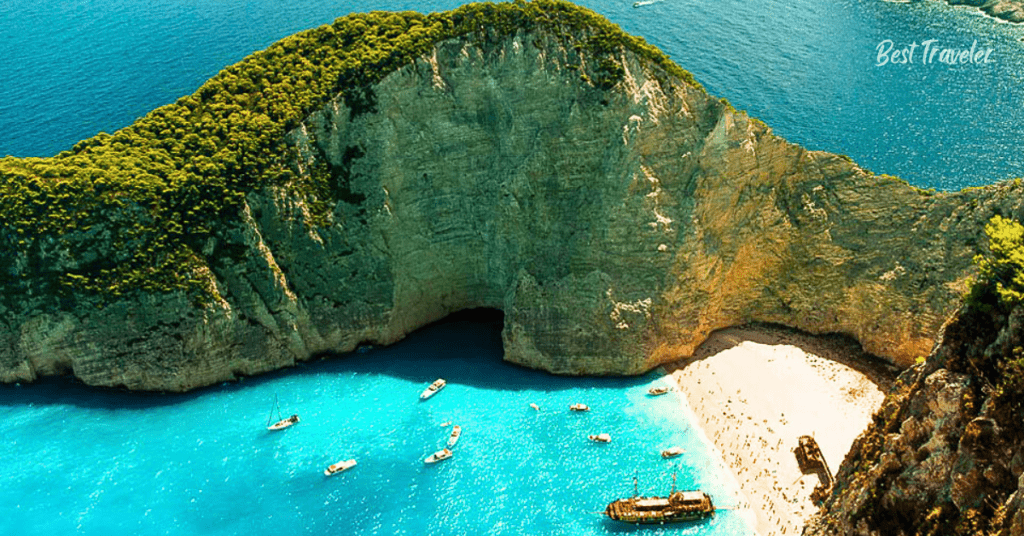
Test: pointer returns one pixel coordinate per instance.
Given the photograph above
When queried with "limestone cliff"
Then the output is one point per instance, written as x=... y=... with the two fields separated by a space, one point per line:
x=615 y=212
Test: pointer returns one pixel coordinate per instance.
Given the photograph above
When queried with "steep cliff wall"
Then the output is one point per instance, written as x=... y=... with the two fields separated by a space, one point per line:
x=616 y=214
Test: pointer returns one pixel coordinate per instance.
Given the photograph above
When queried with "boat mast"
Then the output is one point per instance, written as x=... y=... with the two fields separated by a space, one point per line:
x=271 y=416
x=673 y=483
x=635 y=490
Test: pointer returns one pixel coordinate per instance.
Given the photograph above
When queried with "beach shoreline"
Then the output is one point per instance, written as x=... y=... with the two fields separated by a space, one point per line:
x=755 y=390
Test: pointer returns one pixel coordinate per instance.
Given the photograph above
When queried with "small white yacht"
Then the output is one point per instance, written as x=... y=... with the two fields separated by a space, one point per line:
x=433 y=388
x=454 y=438
x=442 y=454
x=339 y=467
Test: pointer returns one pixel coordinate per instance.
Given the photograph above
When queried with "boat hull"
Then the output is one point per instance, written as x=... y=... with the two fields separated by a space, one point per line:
x=283 y=423
x=454 y=438
x=339 y=467
x=438 y=456
x=433 y=389
x=677 y=508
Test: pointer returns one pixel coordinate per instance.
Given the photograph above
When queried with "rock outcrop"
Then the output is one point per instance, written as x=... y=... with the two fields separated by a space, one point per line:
x=945 y=453
x=1008 y=10
x=617 y=223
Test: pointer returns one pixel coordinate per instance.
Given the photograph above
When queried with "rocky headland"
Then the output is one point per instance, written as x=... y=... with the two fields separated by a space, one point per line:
x=554 y=169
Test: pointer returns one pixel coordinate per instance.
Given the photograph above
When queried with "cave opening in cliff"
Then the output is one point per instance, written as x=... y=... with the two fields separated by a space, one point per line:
x=465 y=348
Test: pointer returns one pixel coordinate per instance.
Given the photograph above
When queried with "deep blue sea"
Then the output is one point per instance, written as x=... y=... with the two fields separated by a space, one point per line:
x=78 y=461
x=72 y=68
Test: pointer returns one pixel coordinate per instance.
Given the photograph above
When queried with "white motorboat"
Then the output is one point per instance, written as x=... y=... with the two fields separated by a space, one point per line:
x=579 y=407
x=454 y=438
x=339 y=467
x=600 y=438
x=657 y=391
x=442 y=454
x=433 y=388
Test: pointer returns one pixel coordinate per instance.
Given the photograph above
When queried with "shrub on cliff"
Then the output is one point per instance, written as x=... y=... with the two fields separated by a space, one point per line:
x=990 y=331
x=1001 y=271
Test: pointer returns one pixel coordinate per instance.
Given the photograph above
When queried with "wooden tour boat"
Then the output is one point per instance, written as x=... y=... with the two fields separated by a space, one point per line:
x=678 y=506
x=672 y=452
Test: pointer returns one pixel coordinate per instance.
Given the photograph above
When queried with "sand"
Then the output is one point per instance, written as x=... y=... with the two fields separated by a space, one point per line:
x=755 y=391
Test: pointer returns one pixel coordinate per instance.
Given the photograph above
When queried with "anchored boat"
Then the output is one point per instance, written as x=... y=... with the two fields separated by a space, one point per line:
x=456 y=433
x=672 y=452
x=433 y=388
x=442 y=454
x=339 y=467
x=678 y=506
x=281 y=424
x=579 y=407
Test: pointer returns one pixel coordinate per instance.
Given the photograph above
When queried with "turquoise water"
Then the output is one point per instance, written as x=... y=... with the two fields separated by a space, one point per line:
x=81 y=462
x=72 y=68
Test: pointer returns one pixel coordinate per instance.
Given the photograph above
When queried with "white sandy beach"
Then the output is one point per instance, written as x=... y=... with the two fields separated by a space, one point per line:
x=754 y=399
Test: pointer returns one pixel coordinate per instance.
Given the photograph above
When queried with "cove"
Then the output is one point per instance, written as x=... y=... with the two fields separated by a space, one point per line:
x=86 y=461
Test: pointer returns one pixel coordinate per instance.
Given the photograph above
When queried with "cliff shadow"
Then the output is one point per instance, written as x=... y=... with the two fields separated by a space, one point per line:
x=833 y=346
x=464 y=347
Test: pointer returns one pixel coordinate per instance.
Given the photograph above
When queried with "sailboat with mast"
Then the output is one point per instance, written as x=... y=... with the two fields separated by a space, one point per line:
x=281 y=423
x=678 y=506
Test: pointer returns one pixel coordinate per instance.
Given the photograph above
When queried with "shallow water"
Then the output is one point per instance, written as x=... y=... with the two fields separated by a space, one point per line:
x=87 y=462
x=73 y=68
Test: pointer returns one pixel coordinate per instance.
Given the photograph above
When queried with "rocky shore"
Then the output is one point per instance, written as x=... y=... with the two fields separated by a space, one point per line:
x=1008 y=10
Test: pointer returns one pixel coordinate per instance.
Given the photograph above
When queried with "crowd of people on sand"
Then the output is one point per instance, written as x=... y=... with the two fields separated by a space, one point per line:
x=743 y=398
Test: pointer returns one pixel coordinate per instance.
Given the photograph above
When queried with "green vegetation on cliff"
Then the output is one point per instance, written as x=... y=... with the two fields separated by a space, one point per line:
x=138 y=210
x=1001 y=271
x=993 y=315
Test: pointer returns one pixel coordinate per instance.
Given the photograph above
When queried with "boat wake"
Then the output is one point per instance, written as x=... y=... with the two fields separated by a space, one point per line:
x=646 y=3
